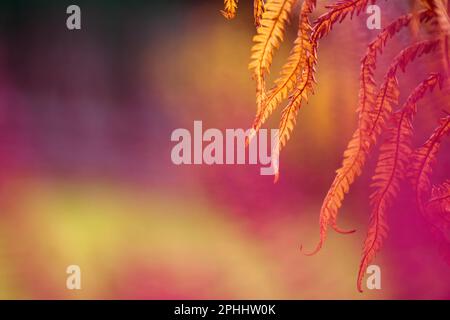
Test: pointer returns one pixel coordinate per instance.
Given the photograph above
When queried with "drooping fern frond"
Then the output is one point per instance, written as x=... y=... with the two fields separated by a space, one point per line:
x=388 y=94
x=230 y=9
x=268 y=38
x=291 y=69
x=390 y=171
x=360 y=143
x=336 y=14
x=258 y=10
x=375 y=105
x=359 y=146
x=422 y=160
x=305 y=84
x=305 y=87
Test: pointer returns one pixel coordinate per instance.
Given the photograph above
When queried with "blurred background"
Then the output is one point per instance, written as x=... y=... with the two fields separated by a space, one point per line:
x=86 y=176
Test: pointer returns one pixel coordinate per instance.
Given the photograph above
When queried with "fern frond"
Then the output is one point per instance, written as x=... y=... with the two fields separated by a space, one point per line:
x=305 y=84
x=368 y=89
x=422 y=160
x=289 y=114
x=367 y=99
x=390 y=171
x=388 y=94
x=269 y=36
x=290 y=71
x=258 y=10
x=363 y=139
x=337 y=13
x=230 y=9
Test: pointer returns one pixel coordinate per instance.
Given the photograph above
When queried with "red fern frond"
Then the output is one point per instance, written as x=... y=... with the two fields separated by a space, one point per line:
x=230 y=9
x=390 y=171
x=361 y=142
x=367 y=99
x=337 y=13
x=422 y=161
x=368 y=89
x=268 y=38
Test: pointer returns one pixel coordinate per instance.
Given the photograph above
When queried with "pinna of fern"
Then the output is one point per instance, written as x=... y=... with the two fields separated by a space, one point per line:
x=258 y=10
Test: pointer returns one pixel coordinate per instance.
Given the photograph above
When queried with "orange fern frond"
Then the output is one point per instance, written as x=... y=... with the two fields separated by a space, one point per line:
x=290 y=71
x=422 y=161
x=269 y=36
x=289 y=113
x=390 y=171
x=361 y=142
x=305 y=83
x=258 y=10
x=230 y=9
